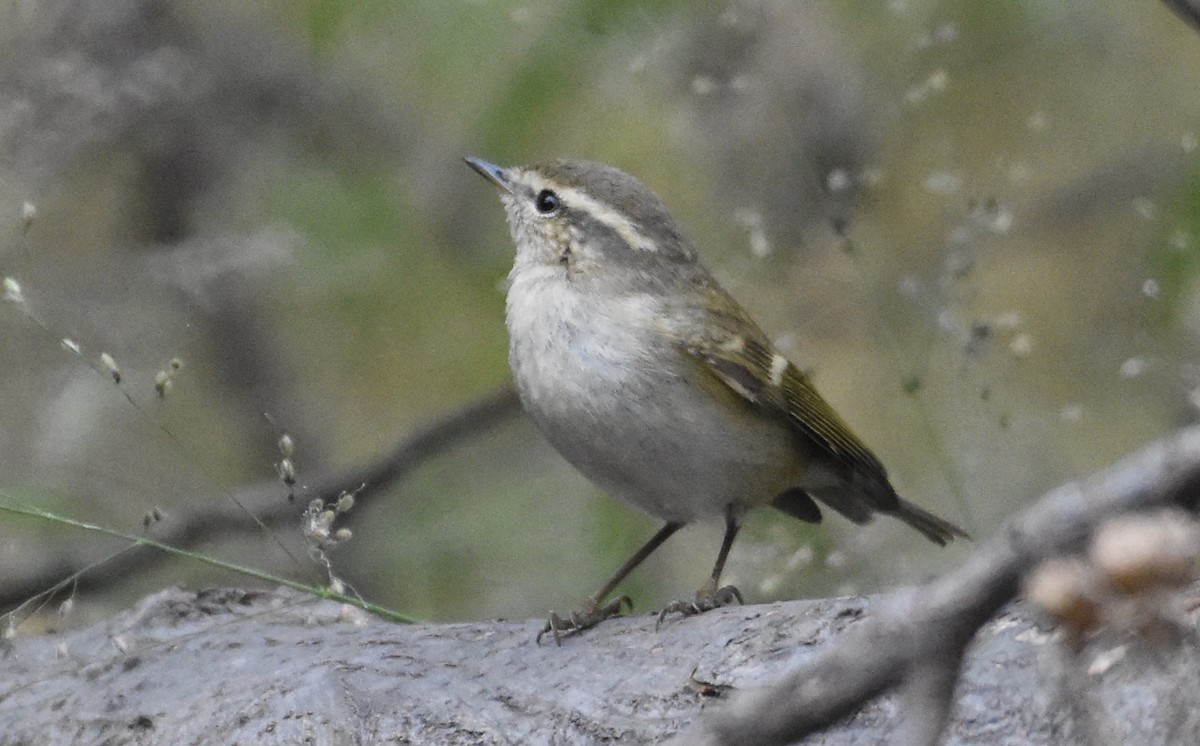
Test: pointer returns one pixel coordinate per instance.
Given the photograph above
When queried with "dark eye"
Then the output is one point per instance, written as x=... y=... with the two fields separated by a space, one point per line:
x=546 y=202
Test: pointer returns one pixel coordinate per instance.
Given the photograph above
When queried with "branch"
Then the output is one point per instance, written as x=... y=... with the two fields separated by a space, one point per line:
x=227 y=666
x=267 y=501
x=916 y=641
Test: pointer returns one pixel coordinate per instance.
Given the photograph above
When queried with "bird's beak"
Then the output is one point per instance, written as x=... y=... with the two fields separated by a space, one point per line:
x=491 y=172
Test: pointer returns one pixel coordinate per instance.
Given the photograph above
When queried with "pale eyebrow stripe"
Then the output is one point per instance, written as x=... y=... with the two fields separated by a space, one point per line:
x=620 y=224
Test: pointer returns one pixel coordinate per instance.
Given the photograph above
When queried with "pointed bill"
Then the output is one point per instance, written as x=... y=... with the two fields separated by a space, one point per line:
x=491 y=172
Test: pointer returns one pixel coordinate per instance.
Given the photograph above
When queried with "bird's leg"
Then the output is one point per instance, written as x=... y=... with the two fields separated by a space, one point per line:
x=594 y=610
x=711 y=595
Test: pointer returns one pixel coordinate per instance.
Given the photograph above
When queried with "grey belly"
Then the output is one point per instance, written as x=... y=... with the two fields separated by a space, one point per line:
x=675 y=455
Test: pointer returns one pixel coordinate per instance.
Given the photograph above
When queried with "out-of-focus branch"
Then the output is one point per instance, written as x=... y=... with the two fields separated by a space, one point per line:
x=915 y=642
x=267 y=501
x=1188 y=10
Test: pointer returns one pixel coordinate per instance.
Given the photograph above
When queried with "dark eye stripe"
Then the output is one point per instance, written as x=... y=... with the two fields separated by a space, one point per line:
x=546 y=202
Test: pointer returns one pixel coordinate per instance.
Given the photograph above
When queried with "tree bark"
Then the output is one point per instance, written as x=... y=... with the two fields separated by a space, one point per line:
x=233 y=666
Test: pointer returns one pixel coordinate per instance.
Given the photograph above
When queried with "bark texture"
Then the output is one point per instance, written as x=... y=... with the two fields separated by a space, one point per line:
x=233 y=666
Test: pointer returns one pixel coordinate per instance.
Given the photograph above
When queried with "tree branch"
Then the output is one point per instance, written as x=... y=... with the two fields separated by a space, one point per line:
x=916 y=640
x=267 y=501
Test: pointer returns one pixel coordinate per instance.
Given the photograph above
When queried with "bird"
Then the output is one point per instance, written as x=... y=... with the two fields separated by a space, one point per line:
x=651 y=380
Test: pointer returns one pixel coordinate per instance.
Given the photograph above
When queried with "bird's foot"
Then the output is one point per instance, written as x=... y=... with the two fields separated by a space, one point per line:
x=707 y=599
x=586 y=616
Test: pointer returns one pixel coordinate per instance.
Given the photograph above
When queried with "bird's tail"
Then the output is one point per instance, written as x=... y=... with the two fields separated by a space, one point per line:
x=935 y=529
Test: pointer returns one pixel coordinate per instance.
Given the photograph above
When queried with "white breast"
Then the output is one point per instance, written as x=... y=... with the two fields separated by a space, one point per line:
x=607 y=388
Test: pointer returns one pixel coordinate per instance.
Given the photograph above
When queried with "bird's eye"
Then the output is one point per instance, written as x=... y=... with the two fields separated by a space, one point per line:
x=546 y=202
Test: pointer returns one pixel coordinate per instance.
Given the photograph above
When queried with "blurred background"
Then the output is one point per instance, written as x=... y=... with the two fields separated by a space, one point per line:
x=976 y=224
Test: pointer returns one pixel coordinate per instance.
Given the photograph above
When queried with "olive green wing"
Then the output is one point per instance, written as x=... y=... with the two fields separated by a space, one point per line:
x=766 y=379
x=736 y=352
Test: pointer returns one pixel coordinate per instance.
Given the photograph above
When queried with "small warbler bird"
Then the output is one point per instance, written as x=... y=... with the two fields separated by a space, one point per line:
x=652 y=381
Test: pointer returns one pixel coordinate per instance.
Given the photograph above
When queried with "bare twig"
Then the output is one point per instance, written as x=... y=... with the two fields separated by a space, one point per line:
x=915 y=642
x=267 y=501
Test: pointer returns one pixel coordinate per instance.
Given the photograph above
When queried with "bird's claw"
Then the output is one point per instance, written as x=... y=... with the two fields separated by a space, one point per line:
x=706 y=599
x=585 y=617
